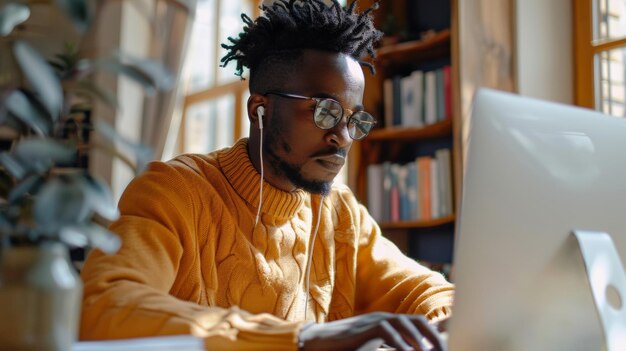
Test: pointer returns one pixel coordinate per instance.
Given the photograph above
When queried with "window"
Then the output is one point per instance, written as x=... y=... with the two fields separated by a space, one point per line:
x=600 y=45
x=213 y=112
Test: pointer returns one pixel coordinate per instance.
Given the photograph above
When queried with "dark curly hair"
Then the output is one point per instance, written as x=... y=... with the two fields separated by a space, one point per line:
x=271 y=45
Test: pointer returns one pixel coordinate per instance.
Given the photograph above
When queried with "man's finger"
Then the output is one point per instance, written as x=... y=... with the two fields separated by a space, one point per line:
x=393 y=337
x=411 y=334
x=429 y=332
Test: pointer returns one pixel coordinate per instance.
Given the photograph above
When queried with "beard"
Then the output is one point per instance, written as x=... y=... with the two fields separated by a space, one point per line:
x=274 y=142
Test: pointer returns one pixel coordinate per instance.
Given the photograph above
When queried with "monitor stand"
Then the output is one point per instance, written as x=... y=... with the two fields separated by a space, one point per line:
x=607 y=280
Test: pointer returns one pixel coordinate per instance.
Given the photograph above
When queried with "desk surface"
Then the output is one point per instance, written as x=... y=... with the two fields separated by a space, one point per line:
x=160 y=343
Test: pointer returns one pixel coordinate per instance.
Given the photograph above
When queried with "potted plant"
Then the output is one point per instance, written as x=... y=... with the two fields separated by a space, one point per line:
x=49 y=202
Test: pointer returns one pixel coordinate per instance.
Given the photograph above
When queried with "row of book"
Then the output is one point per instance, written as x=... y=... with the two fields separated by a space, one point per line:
x=419 y=99
x=419 y=190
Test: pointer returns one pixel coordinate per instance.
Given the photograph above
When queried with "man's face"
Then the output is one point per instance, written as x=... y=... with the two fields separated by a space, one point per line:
x=297 y=150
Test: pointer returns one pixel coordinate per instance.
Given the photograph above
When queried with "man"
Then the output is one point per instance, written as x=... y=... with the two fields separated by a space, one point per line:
x=252 y=247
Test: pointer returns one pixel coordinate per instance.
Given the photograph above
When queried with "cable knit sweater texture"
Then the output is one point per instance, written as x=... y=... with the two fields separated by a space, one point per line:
x=192 y=261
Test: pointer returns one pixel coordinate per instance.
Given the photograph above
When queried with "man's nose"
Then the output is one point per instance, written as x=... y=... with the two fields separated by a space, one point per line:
x=339 y=135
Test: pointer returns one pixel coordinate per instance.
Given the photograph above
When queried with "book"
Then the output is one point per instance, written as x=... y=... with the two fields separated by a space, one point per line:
x=424 y=187
x=397 y=101
x=441 y=104
x=388 y=101
x=412 y=191
x=375 y=191
x=403 y=190
x=412 y=92
x=417 y=77
x=430 y=97
x=447 y=91
x=394 y=198
x=386 y=215
x=434 y=189
x=408 y=101
x=444 y=164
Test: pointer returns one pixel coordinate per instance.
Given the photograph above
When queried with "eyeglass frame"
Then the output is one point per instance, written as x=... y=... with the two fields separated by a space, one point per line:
x=318 y=101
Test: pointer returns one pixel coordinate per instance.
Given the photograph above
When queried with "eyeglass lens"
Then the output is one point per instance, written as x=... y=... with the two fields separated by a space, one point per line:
x=329 y=112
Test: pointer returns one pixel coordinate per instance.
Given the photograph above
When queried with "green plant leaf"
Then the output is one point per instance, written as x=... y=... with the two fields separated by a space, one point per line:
x=90 y=88
x=58 y=66
x=40 y=76
x=96 y=235
x=11 y=15
x=152 y=75
x=131 y=72
x=18 y=127
x=60 y=203
x=6 y=183
x=25 y=109
x=39 y=154
x=5 y=223
x=157 y=72
x=142 y=153
x=24 y=187
x=77 y=11
x=100 y=198
x=73 y=236
x=12 y=165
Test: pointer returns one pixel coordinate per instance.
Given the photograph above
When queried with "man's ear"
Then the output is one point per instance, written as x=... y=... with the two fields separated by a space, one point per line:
x=256 y=104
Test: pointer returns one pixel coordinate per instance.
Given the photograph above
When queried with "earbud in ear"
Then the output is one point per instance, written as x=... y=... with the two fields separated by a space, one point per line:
x=260 y=111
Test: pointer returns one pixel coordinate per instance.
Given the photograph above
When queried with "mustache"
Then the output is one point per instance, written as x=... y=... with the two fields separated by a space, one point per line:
x=331 y=150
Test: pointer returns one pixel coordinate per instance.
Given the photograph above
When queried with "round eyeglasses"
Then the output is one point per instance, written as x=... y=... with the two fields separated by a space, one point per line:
x=328 y=113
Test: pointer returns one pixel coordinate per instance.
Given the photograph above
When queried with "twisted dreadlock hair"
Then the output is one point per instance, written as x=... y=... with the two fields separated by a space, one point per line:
x=271 y=45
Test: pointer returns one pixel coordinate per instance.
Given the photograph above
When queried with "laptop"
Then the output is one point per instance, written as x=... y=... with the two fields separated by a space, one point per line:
x=535 y=171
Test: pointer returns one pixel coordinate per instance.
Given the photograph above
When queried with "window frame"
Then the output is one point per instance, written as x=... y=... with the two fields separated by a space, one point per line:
x=237 y=88
x=585 y=49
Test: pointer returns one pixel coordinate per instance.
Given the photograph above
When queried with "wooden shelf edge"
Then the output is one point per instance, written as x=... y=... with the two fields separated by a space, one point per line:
x=417 y=224
x=391 y=52
x=439 y=129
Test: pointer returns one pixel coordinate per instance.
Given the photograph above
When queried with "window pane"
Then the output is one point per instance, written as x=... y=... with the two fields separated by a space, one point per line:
x=610 y=20
x=200 y=63
x=209 y=125
x=230 y=25
x=610 y=86
x=245 y=122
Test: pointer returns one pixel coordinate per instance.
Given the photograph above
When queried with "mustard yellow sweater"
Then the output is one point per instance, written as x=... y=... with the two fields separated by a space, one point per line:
x=193 y=262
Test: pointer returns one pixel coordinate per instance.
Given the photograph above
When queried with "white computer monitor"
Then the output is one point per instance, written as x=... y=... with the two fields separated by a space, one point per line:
x=535 y=171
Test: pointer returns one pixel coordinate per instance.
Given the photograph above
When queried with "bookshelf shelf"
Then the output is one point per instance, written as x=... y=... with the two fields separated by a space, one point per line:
x=418 y=224
x=436 y=130
x=400 y=55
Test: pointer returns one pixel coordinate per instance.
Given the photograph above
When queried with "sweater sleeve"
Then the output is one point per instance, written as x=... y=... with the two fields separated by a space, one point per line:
x=127 y=294
x=389 y=281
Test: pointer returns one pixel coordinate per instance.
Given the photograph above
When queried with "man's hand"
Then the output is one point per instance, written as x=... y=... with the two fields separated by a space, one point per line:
x=368 y=332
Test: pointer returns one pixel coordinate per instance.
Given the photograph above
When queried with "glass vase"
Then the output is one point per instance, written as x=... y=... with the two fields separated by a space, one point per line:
x=40 y=296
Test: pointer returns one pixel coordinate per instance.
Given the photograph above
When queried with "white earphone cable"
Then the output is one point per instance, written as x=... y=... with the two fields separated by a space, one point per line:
x=317 y=224
x=258 y=213
x=310 y=260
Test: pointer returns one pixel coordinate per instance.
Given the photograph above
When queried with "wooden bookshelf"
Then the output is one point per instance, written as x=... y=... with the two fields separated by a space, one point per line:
x=436 y=130
x=398 y=144
x=418 y=224
x=433 y=46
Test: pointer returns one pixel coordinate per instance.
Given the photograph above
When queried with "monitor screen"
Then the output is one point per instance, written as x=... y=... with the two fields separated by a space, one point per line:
x=535 y=171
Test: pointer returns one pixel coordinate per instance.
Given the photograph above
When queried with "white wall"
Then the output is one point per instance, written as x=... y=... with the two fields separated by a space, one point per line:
x=122 y=28
x=135 y=41
x=544 y=55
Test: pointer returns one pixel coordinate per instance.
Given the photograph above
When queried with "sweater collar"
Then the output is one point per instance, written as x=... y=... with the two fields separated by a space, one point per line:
x=244 y=178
